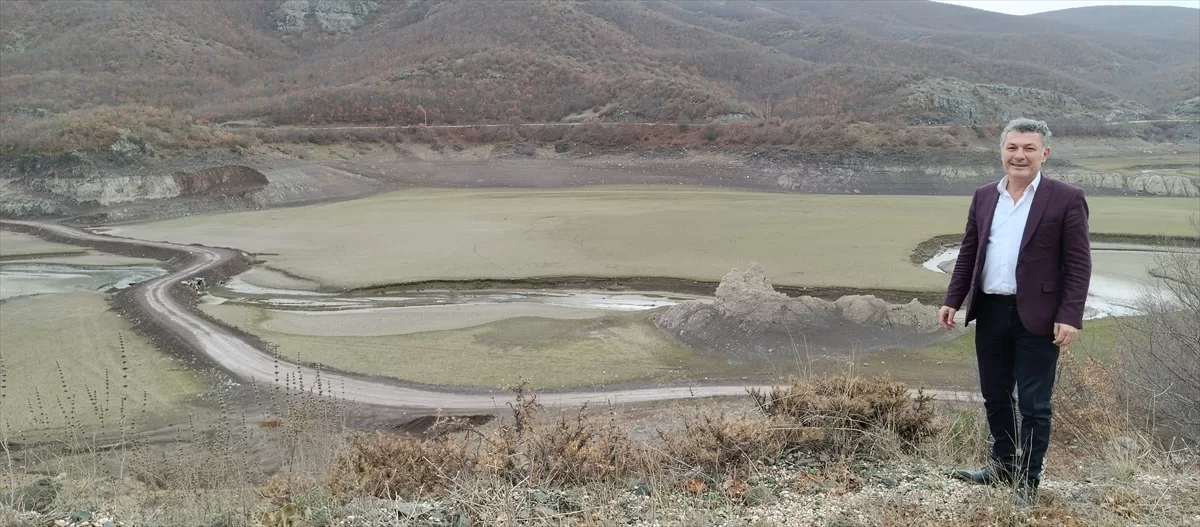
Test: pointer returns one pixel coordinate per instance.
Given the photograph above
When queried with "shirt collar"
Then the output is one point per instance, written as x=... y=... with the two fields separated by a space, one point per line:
x=1002 y=186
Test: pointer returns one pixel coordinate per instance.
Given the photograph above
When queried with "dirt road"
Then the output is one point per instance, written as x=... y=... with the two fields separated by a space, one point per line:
x=334 y=127
x=246 y=362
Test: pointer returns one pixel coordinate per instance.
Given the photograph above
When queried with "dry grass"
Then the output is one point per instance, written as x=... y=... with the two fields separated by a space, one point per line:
x=853 y=410
x=583 y=468
x=711 y=450
x=713 y=445
x=571 y=450
x=399 y=466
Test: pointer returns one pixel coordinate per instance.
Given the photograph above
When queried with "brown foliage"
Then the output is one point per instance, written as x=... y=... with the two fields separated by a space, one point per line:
x=95 y=129
x=505 y=62
x=1087 y=407
x=717 y=443
x=390 y=466
x=852 y=409
x=570 y=450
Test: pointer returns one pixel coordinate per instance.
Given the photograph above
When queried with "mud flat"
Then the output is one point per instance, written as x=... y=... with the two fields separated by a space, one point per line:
x=613 y=348
x=380 y=321
x=491 y=338
x=679 y=232
x=17 y=247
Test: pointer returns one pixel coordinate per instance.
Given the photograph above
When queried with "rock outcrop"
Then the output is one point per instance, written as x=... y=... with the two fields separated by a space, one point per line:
x=331 y=16
x=947 y=101
x=949 y=173
x=748 y=314
x=1189 y=109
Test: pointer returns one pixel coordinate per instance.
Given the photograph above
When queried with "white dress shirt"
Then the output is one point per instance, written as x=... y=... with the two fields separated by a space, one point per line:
x=1004 y=240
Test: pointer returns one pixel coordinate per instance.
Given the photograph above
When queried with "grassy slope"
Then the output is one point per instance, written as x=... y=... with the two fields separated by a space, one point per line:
x=77 y=332
x=807 y=240
x=545 y=352
x=951 y=363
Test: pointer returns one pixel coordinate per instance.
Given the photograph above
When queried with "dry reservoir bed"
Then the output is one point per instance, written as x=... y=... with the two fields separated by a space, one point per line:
x=72 y=363
x=601 y=348
x=684 y=232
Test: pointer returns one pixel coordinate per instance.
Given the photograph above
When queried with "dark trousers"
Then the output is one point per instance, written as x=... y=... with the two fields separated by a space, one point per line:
x=1009 y=356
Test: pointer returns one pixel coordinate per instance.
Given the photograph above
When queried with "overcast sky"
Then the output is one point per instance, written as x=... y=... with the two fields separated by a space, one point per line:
x=1026 y=7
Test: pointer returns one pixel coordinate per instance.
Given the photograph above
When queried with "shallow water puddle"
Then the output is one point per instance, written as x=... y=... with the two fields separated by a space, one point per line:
x=241 y=291
x=1120 y=276
x=23 y=279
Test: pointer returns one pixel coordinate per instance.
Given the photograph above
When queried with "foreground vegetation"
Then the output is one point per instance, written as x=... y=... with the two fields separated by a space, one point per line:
x=694 y=233
x=823 y=451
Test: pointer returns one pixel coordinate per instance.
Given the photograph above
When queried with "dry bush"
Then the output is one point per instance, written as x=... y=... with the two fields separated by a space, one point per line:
x=572 y=450
x=1088 y=410
x=390 y=466
x=716 y=444
x=852 y=410
x=1142 y=409
x=568 y=451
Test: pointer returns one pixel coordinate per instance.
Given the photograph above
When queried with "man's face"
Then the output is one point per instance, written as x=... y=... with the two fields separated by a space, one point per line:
x=1023 y=154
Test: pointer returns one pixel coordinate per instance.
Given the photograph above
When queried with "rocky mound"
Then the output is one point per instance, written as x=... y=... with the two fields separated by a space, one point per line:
x=750 y=317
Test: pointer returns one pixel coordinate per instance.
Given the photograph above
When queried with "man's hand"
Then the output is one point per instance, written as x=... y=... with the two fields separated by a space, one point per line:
x=1064 y=335
x=946 y=318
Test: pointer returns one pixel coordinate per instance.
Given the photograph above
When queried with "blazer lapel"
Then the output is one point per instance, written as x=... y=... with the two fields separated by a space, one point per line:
x=1040 y=198
x=985 y=221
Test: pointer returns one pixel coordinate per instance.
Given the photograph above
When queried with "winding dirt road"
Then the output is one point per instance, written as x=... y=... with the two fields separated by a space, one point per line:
x=245 y=361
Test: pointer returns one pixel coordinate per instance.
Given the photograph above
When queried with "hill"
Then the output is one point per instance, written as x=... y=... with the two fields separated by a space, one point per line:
x=1155 y=21
x=403 y=62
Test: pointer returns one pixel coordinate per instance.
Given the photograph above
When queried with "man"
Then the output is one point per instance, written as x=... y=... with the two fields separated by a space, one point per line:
x=1024 y=269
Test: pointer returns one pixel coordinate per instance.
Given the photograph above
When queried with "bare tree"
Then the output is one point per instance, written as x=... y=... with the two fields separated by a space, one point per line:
x=1162 y=348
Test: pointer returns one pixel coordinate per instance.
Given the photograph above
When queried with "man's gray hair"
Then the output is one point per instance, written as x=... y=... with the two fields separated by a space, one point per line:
x=1027 y=125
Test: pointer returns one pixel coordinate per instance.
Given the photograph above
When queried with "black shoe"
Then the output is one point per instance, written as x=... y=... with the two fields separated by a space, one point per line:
x=1026 y=493
x=989 y=475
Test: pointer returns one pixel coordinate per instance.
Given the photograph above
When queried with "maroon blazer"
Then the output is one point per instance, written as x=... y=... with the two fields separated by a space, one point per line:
x=1054 y=266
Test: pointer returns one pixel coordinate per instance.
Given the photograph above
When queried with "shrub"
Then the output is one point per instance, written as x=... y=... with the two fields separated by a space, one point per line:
x=390 y=466
x=718 y=443
x=851 y=409
x=1087 y=409
x=571 y=450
